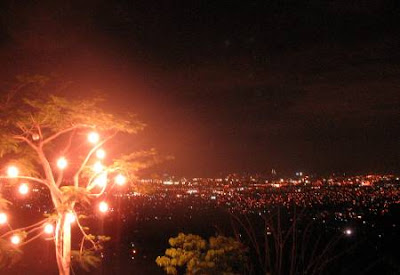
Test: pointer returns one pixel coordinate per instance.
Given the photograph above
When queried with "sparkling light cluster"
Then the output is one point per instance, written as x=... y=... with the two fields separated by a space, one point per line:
x=100 y=180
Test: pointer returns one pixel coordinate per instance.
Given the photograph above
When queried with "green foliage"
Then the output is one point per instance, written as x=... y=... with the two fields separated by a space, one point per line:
x=38 y=124
x=137 y=161
x=58 y=113
x=9 y=254
x=89 y=258
x=75 y=194
x=103 y=238
x=218 y=255
x=28 y=105
x=85 y=260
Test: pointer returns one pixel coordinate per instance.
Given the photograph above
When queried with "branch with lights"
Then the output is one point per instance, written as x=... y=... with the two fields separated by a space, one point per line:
x=53 y=142
x=95 y=188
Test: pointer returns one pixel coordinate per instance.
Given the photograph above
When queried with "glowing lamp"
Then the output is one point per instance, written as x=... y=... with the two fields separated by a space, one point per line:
x=120 y=179
x=348 y=232
x=98 y=167
x=12 y=172
x=35 y=136
x=15 y=239
x=70 y=217
x=23 y=189
x=101 y=180
x=62 y=163
x=48 y=228
x=103 y=207
x=101 y=154
x=93 y=137
x=3 y=218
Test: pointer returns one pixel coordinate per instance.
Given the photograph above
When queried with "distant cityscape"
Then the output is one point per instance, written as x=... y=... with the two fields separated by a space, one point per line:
x=348 y=205
x=360 y=195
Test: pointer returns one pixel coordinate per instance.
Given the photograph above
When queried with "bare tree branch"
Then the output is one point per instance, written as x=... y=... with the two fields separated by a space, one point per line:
x=26 y=178
x=56 y=135
x=24 y=228
x=91 y=152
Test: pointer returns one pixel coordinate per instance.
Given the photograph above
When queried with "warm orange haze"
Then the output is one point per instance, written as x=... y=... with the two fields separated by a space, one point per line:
x=19 y=237
x=255 y=137
x=78 y=181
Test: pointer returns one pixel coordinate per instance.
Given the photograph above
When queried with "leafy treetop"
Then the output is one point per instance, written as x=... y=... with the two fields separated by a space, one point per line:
x=218 y=255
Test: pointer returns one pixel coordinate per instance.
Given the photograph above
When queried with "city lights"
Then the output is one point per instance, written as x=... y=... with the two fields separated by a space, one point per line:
x=48 y=228
x=103 y=207
x=23 y=189
x=62 y=163
x=93 y=137
x=120 y=179
x=15 y=239
x=101 y=154
x=12 y=172
x=3 y=218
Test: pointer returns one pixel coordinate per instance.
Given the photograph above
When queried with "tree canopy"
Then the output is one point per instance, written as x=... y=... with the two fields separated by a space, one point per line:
x=39 y=124
x=195 y=255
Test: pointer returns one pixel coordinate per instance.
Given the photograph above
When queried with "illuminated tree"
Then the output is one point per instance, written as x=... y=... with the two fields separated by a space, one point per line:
x=60 y=144
x=218 y=255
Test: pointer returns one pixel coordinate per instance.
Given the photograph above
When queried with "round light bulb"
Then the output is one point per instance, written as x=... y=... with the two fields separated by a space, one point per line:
x=348 y=232
x=15 y=239
x=101 y=180
x=23 y=189
x=101 y=154
x=120 y=179
x=35 y=136
x=3 y=218
x=98 y=167
x=62 y=163
x=103 y=207
x=48 y=228
x=12 y=172
x=70 y=217
x=93 y=137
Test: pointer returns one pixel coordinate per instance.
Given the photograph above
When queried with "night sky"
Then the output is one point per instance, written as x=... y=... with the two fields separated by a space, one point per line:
x=229 y=86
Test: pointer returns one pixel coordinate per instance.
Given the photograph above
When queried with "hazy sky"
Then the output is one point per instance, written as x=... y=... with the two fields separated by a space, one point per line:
x=229 y=86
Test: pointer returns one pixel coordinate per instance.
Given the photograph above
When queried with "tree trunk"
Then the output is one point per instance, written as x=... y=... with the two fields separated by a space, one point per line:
x=63 y=244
